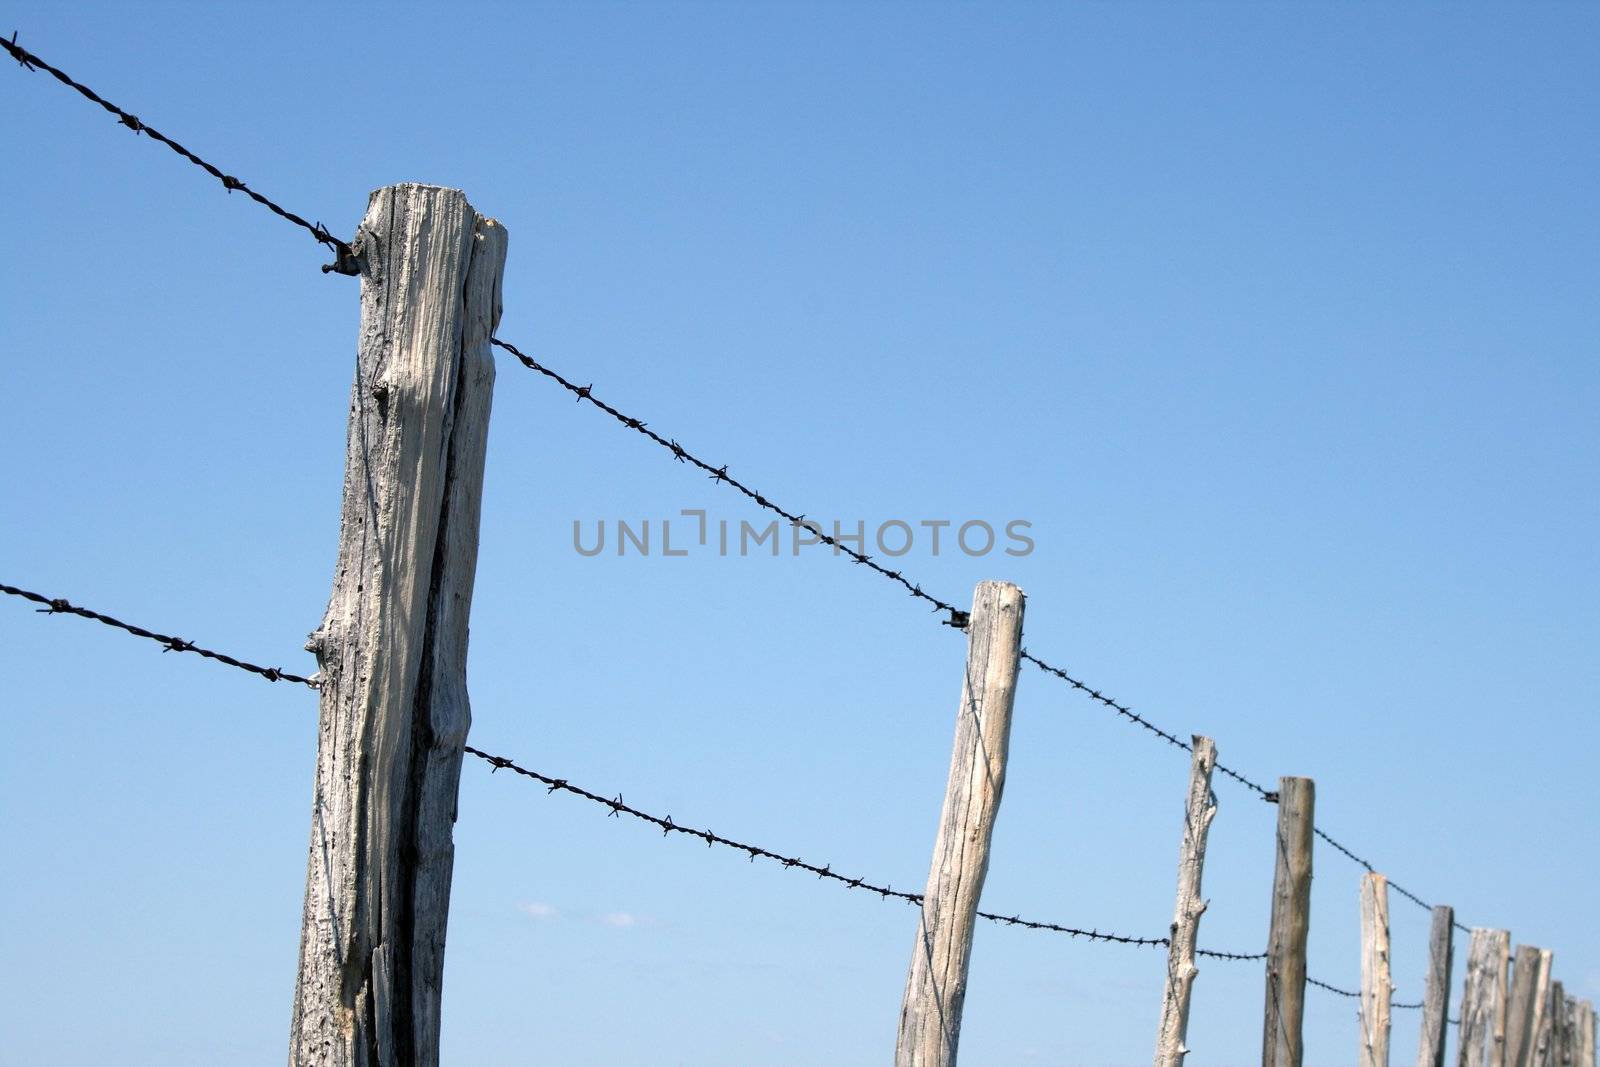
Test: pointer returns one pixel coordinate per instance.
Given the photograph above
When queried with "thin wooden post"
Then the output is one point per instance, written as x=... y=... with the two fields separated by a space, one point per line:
x=1483 y=1000
x=1436 y=990
x=1568 y=1052
x=392 y=645
x=1585 y=1037
x=936 y=984
x=1281 y=1044
x=1199 y=809
x=1553 y=1035
x=1377 y=986
x=1530 y=988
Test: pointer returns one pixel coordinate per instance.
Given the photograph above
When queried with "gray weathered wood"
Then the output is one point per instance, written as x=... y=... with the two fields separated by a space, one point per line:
x=1281 y=1043
x=1553 y=1035
x=1568 y=1048
x=1544 y=1024
x=936 y=983
x=1483 y=1000
x=392 y=645
x=1436 y=990
x=1377 y=985
x=1198 y=812
x=1584 y=1036
x=1530 y=989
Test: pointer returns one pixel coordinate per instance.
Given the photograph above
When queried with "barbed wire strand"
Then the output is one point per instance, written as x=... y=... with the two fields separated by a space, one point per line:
x=720 y=474
x=616 y=806
x=957 y=617
x=344 y=258
x=1353 y=995
x=61 y=606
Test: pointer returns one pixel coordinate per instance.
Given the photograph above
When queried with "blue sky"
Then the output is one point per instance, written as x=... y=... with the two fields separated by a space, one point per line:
x=1277 y=323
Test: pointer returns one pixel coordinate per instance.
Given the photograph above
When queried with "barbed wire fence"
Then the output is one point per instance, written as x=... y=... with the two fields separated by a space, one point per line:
x=616 y=806
x=717 y=473
x=345 y=262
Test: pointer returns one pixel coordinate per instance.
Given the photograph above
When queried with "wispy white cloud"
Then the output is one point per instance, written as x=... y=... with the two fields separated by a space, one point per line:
x=535 y=910
x=624 y=920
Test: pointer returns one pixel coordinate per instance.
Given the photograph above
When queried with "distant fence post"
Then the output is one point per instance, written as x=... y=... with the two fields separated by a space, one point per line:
x=1198 y=812
x=1436 y=992
x=1530 y=989
x=1483 y=1000
x=936 y=984
x=1281 y=1044
x=1586 y=1037
x=1377 y=985
x=1539 y=1035
x=392 y=645
x=1568 y=1050
x=1553 y=1037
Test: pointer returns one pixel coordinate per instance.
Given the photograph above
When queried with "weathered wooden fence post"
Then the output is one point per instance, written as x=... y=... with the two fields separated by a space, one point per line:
x=1567 y=1053
x=1377 y=986
x=1586 y=1037
x=1198 y=812
x=1530 y=989
x=1483 y=1000
x=392 y=646
x=1553 y=1036
x=1281 y=1044
x=936 y=985
x=1436 y=992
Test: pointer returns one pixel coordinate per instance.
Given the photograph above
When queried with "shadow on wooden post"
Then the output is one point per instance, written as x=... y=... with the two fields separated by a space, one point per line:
x=393 y=644
x=936 y=984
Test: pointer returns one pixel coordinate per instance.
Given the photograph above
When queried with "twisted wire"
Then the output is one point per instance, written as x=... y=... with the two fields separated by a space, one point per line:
x=958 y=618
x=615 y=805
x=61 y=606
x=344 y=261
x=720 y=474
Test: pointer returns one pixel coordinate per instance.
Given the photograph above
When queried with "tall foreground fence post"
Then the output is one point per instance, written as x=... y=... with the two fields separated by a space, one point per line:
x=1483 y=1000
x=1436 y=991
x=392 y=646
x=1281 y=1044
x=1377 y=985
x=936 y=985
x=1199 y=810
